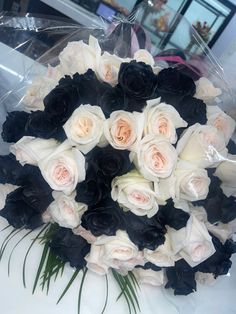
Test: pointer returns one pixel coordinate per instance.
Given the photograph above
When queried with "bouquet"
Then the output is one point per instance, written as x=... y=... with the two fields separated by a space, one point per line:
x=127 y=168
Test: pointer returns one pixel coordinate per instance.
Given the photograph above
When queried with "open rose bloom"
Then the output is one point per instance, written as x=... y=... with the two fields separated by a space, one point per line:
x=125 y=157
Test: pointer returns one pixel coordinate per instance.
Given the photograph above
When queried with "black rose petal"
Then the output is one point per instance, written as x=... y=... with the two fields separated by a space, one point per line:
x=228 y=209
x=144 y=232
x=174 y=217
x=173 y=81
x=231 y=147
x=192 y=110
x=181 y=278
x=104 y=218
x=10 y=170
x=149 y=266
x=70 y=247
x=137 y=80
x=13 y=128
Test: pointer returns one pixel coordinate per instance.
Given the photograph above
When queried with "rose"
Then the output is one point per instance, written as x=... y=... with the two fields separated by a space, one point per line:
x=156 y=157
x=123 y=130
x=142 y=55
x=137 y=80
x=95 y=260
x=205 y=278
x=79 y=57
x=13 y=128
x=65 y=210
x=149 y=276
x=5 y=189
x=191 y=182
x=193 y=243
x=202 y=145
x=85 y=127
x=135 y=193
x=224 y=123
x=226 y=172
x=205 y=90
x=162 y=119
x=29 y=150
x=64 y=168
x=163 y=255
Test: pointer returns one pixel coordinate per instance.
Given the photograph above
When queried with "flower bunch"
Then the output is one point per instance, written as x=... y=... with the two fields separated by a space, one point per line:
x=131 y=162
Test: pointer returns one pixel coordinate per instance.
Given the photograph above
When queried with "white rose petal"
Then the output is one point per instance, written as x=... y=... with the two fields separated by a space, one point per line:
x=226 y=172
x=205 y=90
x=123 y=130
x=193 y=242
x=86 y=234
x=142 y=55
x=156 y=157
x=220 y=120
x=85 y=127
x=108 y=68
x=162 y=119
x=135 y=193
x=150 y=277
x=64 y=168
x=65 y=210
x=222 y=231
x=205 y=278
x=29 y=150
x=5 y=189
x=95 y=260
x=202 y=145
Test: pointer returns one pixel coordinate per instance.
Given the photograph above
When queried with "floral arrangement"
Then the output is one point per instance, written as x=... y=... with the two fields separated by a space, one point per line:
x=126 y=167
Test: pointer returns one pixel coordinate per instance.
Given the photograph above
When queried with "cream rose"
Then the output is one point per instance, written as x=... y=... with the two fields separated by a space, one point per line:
x=95 y=260
x=220 y=120
x=65 y=210
x=193 y=242
x=142 y=55
x=226 y=172
x=135 y=193
x=29 y=150
x=64 y=168
x=85 y=127
x=79 y=57
x=150 y=277
x=162 y=119
x=202 y=145
x=205 y=90
x=5 y=189
x=156 y=157
x=123 y=130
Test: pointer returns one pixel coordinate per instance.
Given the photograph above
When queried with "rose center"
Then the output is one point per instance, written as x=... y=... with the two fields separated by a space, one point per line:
x=139 y=197
x=162 y=126
x=158 y=161
x=84 y=126
x=219 y=124
x=108 y=72
x=61 y=174
x=123 y=132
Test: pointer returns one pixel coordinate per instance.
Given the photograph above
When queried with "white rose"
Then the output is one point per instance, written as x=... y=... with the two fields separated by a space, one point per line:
x=163 y=256
x=84 y=233
x=193 y=242
x=156 y=157
x=162 y=119
x=220 y=120
x=202 y=145
x=150 y=277
x=85 y=127
x=142 y=55
x=135 y=193
x=108 y=68
x=5 y=189
x=29 y=150
x=65 y=210
x=79 y=57
x=205 y=278
x=222 y=231
x=123 y=130
x=205 y=90
x=226 y=172
x=95 y=260
x=191 y=183
x=64 y=168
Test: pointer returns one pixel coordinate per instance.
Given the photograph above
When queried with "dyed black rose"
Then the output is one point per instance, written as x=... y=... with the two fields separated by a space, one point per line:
x=144 y=232
x=174 y=82
x=181 y=278
x=20 y=214
x=174 y=217
x=137 y=80
x=231 y=147
x=149 y=266
x=70 y=247
x=192 y=110
x=134 y=104
x=10 y=170
x=104 y=218
x=40 y=124
x=13 y=128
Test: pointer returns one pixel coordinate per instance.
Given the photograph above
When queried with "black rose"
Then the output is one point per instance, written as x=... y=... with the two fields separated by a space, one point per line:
x=13 y=128
x=231 y=147
x=149 y=266
x=192 y=110
x=10 y=170
x=181 y=278
x=144 y=232
x=137 y=80
x=70 y=247
x=104 y=218
x=173 y=81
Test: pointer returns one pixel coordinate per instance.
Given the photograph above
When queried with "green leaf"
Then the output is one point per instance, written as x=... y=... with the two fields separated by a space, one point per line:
x=5 y=228
x=117 y=278
x=81 y=288
x=10 y=236
x=105 y=305
x=69 y=284
x=41 y=264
